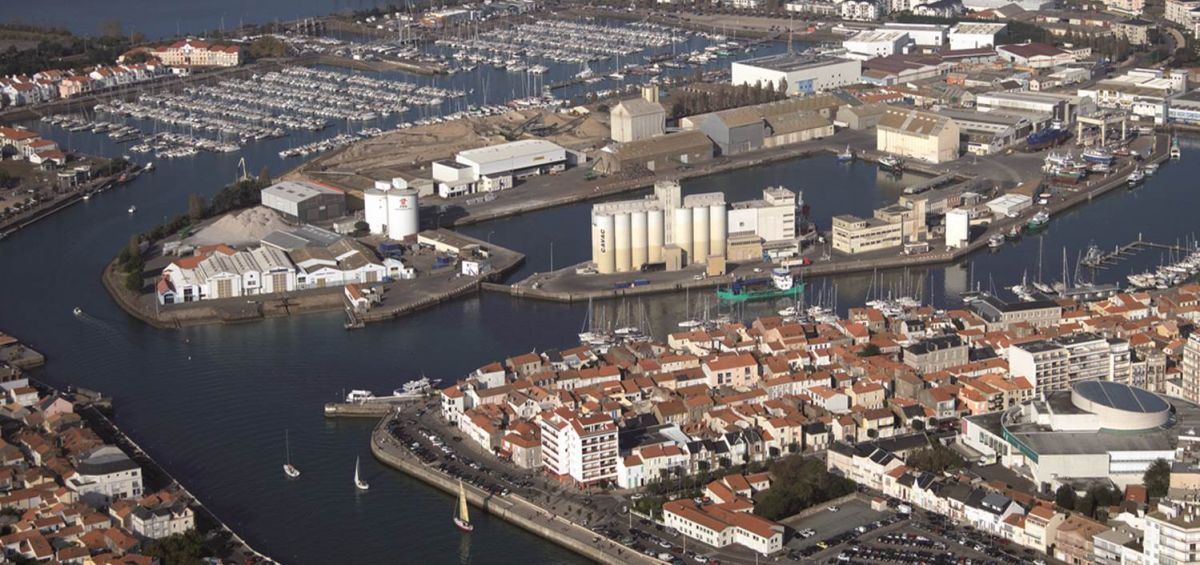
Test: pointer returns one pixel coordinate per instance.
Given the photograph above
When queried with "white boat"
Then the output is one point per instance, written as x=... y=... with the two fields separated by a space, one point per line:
x=690 y=324
x=1150 y=168
x=462 y=519
x=288 y=469
x=788 y=312
x=87 y=196
x=416 y=388
x=359 y=396
x=78 y=311
x=995 y=241
x=846 y=155
x=132 y=209
x=358 y=482
x=1136 y=177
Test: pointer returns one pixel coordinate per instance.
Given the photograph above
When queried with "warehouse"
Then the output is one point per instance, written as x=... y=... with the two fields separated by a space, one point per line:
x=987 y=133
x=802 y=74
x=639 y=118
x=925 y=35
x=795 y=128
x=494 y=168
x=1010 y=204
x=305 y=201
x=861 y=117
x=876 y=43
x=973 y=35
x=738 y=130
x=917 y=134
x=1096 y=430
x=656 y=154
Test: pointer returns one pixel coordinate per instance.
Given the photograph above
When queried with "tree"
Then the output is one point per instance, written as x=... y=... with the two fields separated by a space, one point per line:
x=936 y=458
x=1065 y=497
x=918 y=425
x=178 y=549
x=264 y=176
x=869 y=350
x=133 y=280
x=135 y=245
x=1157 y=478
x=267 y=47
x=196 y=207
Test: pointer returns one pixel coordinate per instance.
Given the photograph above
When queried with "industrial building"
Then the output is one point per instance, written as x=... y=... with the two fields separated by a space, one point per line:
x=861 y=117
x=656 y=154
x=917 y=134
x=391 y=210
x=852 y=234
x=988 y=133
x=1095 y=430
x=305 y=201
x=493 y=168
x=663 y=228
x=1009 y=204
x=803 y=74
x=1059 y=106
x=876 y=43
x=958 y=228
x=973 y=35
x=772 y=124
x=638 y=118
x=771 y=219
x=924 y=35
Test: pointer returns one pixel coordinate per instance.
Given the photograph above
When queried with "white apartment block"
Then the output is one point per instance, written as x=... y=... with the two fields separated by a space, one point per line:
x=582 y=449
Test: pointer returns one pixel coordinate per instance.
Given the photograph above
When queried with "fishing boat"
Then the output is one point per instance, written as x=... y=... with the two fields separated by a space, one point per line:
x=78 y=311
x=1136 y=177
x=781 y=284
x=1098 y=155
x=995 y=241
x=891 y=163
x=462 y=520
x=845 y=156
x=288 y=469
x=1150 y=168
x=1176 y=152
x=1038 y=221
x=358 y=482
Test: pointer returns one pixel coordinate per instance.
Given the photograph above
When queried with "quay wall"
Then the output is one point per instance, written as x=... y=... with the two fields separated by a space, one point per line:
x=503 y=508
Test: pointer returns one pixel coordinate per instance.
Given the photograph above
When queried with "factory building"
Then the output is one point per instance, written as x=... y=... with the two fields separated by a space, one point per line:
x=494 y=168
x=861 y=117
x=772 y=124
x=639 y=118
x=656 y=154
x=852 y=234
x=917 y=134
x=663 y=228
x=803 y=74
x=876 y=43
x=771 y=219
x=973 y=35
x=924 y=35
x=391 y=210
x=305 y=201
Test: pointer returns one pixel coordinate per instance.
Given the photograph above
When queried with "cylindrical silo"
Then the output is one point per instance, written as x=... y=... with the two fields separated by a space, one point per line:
x=682 y=233
x=637 y=221
x=602 y=243
x=403 y=214
x=623 y=242
x=375 y=209
x=717 y=229
x=700 y=233
x=655 y=236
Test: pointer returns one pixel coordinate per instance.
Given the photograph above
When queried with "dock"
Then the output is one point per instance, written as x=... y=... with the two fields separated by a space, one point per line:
x=1122 y=252
x=373 y=408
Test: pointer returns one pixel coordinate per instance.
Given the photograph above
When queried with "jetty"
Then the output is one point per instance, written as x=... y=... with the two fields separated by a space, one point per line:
x=1122 y=252
x=374 y=408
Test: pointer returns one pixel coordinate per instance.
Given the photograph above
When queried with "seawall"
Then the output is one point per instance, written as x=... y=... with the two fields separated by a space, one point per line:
x=511 y=508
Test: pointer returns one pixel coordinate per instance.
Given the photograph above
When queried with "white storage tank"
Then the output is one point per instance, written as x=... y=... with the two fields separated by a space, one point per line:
x=623 y=242
x=700 y=234
x=682 y=233
x=375 y=210
x=655 y=237
x=603 y=253
x=403 y=214
x=717 y=229
x=639 y=239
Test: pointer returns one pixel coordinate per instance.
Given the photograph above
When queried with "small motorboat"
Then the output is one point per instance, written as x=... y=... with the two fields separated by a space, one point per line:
x=132 y=209
x=78 y=311
x=995 y=241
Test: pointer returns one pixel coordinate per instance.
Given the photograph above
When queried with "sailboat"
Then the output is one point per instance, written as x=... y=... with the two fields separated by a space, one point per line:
x=462 y=519
x=358 y=482
x=288 y=469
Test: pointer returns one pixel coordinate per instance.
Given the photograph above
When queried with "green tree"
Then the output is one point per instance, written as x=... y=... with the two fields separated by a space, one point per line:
x=196 y=207
x=1065 y=497
x=267 y=47
x=133 y=280
x=264 y=176
x=936 y=458
x=135 y=245
x=869 y=350
x=178 y=549
x=1157 y=478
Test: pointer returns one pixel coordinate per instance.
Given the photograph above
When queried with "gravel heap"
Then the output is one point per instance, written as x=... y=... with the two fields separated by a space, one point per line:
x=242 y=228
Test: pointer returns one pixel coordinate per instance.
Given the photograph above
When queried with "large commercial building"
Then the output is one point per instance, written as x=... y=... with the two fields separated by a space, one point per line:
x=999 y=315
x=392 y=210
x=305 y=201
x=1095 y=430
x=876 y=43
x=973 y=35
x=493 y=168
x=663 y=228
x=925 y=35
x=852 y=234
x=802 y=74
x=917 y=134
x=638 y=118
x=719 y=525
x=106 y=475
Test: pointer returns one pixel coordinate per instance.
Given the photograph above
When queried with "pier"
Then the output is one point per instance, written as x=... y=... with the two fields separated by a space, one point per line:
x=1122 y=252
x=373 y=408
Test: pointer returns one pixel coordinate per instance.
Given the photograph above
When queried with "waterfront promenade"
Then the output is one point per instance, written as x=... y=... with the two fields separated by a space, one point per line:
x=510 y=507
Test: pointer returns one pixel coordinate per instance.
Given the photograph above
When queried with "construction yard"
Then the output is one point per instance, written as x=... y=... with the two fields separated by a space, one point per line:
x=408 y=152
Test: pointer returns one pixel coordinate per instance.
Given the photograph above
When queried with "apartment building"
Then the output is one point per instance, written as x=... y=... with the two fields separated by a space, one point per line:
x=579 y=448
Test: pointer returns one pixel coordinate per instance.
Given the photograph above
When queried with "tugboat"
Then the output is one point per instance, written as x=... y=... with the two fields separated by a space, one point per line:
x=780 y=285
x=891 y=163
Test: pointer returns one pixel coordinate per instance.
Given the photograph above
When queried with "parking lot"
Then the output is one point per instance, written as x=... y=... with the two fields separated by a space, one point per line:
x=826 y=524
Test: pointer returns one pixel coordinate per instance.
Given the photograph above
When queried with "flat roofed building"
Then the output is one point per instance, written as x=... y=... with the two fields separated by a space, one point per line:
x=998 y=315
x=803 y=74
x=876 y=43
x=936 y=353
x=925 y=35
x=852 y=234
x=973 y=35
x=917 y=134
x=512 y=158
x=305 y=201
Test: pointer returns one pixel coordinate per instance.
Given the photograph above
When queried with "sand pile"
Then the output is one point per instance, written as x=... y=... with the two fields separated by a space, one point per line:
x=240 y=228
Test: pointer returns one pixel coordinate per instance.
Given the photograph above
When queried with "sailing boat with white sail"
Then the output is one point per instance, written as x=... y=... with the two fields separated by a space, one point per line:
x=288 y=469
x=358 y=482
